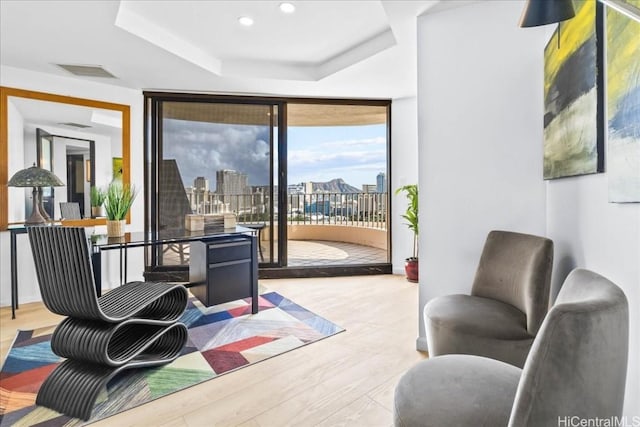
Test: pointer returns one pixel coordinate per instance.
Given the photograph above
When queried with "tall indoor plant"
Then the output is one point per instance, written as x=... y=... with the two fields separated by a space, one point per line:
x=118 y=200
x=411 y=216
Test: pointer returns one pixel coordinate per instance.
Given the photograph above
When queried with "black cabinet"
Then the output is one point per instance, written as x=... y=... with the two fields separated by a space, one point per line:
x=224 y=269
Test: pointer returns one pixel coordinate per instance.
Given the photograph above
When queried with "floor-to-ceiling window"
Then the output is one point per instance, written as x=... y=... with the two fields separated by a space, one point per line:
x=311 y=176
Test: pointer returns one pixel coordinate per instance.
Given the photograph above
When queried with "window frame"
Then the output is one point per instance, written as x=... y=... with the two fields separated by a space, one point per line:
x=153 y=151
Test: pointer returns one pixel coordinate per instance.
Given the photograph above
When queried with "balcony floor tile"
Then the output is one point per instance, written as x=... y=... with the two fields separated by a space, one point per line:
x=317 y=253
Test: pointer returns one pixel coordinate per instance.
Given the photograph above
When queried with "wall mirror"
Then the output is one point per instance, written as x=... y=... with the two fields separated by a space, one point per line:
x=78 y=139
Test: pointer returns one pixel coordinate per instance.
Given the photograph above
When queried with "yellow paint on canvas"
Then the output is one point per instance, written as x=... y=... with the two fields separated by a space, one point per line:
x=623 y=55
x=573 y=33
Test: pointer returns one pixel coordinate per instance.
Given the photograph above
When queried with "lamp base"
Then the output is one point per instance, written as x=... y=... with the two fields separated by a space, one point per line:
x=36 y=218
x=43 y=211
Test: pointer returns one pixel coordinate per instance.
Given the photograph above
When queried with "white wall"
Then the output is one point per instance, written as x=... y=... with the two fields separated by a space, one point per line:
x=604 y=237
x=404 y=170
x=480 y=132
x=24 y=79
x=480 y=149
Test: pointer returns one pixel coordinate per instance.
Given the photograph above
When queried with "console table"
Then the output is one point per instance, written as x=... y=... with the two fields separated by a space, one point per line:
x=100 y=242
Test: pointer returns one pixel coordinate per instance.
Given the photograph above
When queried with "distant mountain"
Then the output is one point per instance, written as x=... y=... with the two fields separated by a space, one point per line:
x=335 y=186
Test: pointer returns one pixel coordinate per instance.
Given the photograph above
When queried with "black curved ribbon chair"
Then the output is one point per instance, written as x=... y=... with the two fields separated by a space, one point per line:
x=132 y=326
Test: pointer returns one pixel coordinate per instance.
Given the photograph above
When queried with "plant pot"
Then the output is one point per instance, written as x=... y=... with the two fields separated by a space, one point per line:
x=411 y=269
x=115 y=228
x=97 y=211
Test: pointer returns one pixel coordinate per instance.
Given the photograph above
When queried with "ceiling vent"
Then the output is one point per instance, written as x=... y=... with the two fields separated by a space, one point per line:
x=75 y=125
x=87 y=70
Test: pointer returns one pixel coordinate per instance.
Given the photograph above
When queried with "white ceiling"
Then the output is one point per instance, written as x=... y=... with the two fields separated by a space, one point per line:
x=325 y=48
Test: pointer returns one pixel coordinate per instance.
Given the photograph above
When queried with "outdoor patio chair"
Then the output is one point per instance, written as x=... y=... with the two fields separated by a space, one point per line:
x=132 y=326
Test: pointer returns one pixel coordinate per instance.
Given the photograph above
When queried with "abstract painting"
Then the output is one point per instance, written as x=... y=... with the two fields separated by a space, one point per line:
x=573 y=95
x=623 y=105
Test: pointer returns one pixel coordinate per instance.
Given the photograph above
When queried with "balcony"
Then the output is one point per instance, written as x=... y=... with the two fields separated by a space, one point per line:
x=323 y=228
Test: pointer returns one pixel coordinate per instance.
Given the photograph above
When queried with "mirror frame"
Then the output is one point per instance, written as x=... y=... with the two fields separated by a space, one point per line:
x=5 y=93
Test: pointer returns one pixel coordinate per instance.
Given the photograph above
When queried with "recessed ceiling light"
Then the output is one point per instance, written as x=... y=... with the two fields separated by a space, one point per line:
x=246 y=21
x=287 y=7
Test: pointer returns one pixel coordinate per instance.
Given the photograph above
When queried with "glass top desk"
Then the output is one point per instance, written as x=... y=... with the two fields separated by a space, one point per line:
x=101 y=242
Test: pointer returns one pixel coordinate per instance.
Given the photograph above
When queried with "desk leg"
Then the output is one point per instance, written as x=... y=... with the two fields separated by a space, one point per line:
x=125 y=266
x=14 y=277
x=254 y=275
x=123 y=260
x=96 y=263
x=260 y=244
x=120 y=255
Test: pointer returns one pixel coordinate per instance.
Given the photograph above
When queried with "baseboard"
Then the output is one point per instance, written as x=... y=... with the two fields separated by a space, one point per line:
x=328 y=271
x=421 y=344
x=399 y=271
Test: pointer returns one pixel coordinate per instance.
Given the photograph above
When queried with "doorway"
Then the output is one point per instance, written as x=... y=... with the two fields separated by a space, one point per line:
x=337 y=197
x=75 y=180
x=80 y=170
x=212 y=154
x=44 y=160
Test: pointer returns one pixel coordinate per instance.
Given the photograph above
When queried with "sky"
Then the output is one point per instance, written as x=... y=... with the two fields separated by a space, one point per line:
x=354 y=153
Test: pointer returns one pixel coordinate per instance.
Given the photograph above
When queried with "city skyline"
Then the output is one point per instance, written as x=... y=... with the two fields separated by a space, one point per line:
x=356 y=154
x=201 y=183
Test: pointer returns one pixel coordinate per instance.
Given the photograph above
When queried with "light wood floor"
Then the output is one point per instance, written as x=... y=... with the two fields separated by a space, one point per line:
x=344 y=380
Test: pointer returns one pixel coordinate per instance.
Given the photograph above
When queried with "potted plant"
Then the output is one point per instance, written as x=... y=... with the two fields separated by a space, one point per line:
x=97 y=196
x=411 y=215
x=119 y=198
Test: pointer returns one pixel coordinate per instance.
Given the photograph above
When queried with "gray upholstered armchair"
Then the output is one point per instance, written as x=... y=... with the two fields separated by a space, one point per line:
x=576 y=368
x=509 y=299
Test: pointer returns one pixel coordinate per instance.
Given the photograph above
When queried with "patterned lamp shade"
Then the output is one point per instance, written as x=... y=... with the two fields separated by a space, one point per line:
x=34 y=177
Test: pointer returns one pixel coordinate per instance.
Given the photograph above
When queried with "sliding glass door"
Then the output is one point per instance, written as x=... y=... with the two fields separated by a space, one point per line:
x=337 y=195
x=310 y=176
x=215 y=157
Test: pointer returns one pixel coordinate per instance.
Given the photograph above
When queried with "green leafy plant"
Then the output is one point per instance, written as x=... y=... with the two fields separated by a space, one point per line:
x=97 y=196
x=411 y=214
x=119 y=198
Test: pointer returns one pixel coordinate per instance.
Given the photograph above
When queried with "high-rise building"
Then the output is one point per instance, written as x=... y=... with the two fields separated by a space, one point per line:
x=295 y=189
x=308 y=187
x=201 y=184
x=300 y=188
x=231 y=182
x=369 y=188
x=233 y=189
x=381 y=183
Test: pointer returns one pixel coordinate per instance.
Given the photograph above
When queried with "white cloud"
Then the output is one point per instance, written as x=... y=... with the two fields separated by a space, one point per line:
x=202 y=148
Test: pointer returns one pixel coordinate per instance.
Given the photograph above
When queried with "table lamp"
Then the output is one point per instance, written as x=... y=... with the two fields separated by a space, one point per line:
x=35 y=177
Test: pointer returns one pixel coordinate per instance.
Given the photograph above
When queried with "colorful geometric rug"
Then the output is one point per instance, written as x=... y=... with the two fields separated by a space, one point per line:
x=222 y=338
